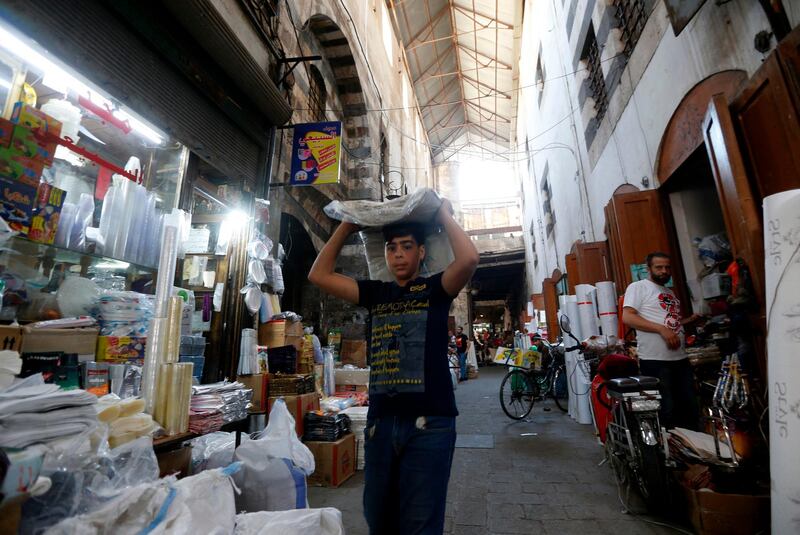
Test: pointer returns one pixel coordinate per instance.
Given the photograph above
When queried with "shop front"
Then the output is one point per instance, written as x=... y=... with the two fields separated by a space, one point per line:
x=731 y=143
x=135 y=265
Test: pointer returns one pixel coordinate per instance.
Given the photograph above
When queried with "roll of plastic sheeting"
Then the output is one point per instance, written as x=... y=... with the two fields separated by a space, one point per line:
x=782 y=241
x=607 y=308
x=166 y=269
x=583 y=389
x=587 y=295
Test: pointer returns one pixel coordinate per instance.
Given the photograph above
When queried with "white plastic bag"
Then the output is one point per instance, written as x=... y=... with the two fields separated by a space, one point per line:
x=199 y=504
x=274 y=466
x=214 y=450
x=327 y=521
x=420 y=206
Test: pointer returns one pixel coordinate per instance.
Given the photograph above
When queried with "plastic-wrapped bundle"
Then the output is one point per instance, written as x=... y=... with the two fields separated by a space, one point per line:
x=166 y=269
x=66 y=221
x=326 y=427
x=83 y=219
x=133 y=239
x=420 y=206
x=145 y=245
x=105 y=218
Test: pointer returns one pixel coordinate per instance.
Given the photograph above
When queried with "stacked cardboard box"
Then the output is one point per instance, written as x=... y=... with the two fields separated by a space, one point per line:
x=298 y=407
x=335 y=461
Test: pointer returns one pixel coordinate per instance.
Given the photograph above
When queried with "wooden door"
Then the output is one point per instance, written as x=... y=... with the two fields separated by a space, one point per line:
x=766 y=119
x=789 y=57
x=593 y=262
x=615 y=249
x=640 y=229
x=551 y=308
x=642 y=226
x=573 y=277
x=739 y=201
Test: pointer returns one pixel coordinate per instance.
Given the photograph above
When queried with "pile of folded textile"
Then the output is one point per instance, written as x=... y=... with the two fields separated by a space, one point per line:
x=32 y=412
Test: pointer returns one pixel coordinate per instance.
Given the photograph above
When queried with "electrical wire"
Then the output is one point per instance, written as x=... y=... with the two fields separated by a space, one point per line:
x=419 y=107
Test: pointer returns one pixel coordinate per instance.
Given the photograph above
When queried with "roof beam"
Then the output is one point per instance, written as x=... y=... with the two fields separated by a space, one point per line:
x=471 y=15
x=492 y=115
x=447 y=127
x=493 y=135
x=478 y=85
x=474 y=53
x=430 y=26
x=454 y=35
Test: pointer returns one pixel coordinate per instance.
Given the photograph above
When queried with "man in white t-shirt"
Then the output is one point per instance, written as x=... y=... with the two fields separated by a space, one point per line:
x=655 y=312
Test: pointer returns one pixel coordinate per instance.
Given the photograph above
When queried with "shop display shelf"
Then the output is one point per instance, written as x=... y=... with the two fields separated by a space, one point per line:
x=173 y=441
x=23 y=246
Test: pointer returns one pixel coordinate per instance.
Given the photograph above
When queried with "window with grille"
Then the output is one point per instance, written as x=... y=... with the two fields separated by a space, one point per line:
x=632 y=18
x=317 y=94
x=547 y=198
x=597 y=83
x=540 y=76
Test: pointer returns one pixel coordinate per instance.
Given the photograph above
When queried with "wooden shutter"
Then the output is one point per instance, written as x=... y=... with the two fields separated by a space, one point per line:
x=789 y=57
x=740 y=205
x=640 y=229
x=551 y=308
x=767 y=123
x=573 y=277
x=615 y=249
x=593 y=262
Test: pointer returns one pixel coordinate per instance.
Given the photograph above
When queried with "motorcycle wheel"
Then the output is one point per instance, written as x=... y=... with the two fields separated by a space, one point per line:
x=651 y=474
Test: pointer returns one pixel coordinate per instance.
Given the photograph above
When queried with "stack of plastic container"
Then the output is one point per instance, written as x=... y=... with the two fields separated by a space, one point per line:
x=358 y=422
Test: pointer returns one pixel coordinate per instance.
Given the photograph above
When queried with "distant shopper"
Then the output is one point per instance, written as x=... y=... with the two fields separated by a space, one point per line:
x=411 y=425
x=655 y=312
x=461 y=349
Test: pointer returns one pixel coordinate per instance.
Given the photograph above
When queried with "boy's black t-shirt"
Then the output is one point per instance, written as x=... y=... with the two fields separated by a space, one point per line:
x=410 y=372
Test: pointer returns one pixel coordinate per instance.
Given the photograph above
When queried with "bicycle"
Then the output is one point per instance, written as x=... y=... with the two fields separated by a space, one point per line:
x=521 y=387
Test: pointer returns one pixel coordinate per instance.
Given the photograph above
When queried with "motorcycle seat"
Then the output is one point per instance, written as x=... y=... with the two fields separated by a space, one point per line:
x=646 y=382
x=625 y=385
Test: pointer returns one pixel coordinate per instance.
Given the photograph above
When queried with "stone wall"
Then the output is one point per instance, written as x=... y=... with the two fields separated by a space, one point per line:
x=582 y=171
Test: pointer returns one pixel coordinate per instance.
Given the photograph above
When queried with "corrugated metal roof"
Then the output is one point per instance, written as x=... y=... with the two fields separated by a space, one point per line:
x=461 y=59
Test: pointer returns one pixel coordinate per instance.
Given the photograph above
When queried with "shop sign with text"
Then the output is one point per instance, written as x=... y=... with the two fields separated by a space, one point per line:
x=316 y=153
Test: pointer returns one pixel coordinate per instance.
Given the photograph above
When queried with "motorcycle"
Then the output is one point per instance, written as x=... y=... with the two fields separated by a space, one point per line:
x=636 y=444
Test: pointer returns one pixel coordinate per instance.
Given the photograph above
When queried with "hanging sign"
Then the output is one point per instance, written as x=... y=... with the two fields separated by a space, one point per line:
x=316 y=153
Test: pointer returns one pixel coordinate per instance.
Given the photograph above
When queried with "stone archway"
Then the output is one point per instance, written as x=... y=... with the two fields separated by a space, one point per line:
x=684 y=132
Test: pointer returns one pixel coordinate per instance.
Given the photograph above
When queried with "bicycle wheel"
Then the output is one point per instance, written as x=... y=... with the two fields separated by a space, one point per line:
x=517 y=394
x=560 y=389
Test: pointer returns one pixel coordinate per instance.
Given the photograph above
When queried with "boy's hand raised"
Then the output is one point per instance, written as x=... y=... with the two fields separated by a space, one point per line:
x=445 y=211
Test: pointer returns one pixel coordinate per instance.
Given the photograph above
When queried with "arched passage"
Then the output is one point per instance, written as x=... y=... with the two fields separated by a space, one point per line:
x=298 y=296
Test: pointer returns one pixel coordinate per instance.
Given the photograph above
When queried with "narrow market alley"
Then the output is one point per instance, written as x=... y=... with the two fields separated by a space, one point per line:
x=536 y=476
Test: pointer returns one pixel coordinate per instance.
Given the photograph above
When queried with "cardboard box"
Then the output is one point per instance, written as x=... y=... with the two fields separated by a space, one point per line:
x=16 y=203
x=294 y=328
x=354 y=352
x=46 y=213
x=258 y=383
x=352 y=388
x=10 y=338
x=298 y=407
x=335 y=461
x=121 y=349
x=82 y=342
x=352 y=377
x=715 y=513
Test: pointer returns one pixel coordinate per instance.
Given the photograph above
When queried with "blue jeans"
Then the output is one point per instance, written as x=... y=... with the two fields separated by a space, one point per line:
x=407 y=468
x=462 y=363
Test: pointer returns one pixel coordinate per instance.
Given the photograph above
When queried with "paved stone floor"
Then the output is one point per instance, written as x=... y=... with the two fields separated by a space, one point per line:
x=542 y=476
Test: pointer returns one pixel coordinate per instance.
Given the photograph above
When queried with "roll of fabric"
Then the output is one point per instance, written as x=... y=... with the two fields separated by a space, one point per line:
x=607 y=308
x=587 y=310
x=782 y=263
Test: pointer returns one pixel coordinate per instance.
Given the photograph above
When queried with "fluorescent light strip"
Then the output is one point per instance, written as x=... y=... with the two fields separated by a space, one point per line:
x=5 y=83
x=23 y=51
